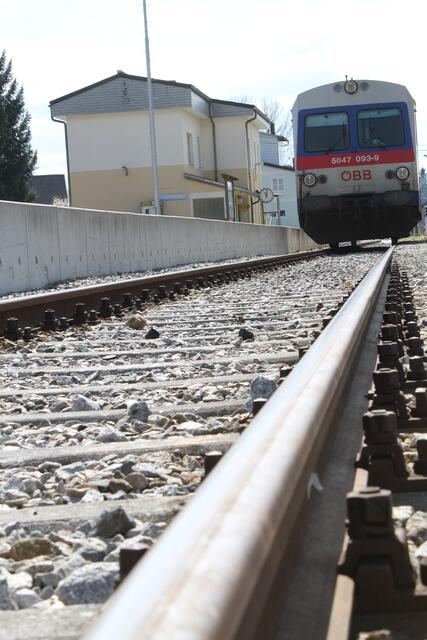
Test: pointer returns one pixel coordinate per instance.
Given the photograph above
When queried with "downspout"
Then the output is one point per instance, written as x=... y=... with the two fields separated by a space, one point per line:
x=214 y=142
x=66 y=151
x=248 y=156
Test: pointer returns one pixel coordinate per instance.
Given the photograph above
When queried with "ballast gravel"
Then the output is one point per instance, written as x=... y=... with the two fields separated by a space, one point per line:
x=231 y=330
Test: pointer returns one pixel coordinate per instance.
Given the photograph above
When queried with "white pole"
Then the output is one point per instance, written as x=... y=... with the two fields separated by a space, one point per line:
x=151 y=117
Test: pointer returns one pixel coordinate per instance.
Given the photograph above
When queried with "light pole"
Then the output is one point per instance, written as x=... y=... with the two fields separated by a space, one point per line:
x=151 y=116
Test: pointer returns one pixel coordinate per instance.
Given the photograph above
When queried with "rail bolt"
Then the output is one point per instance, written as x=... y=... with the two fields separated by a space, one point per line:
x=12 y=329
x=386 y=381
x=211 y=459
x=388 y=350
x=145 y=294
x=369 y=513
x=391 y=317
x=128 y=557
x=105 y=309
x=93 y=317
x=416 y=365
x=412 y=330
x=49 y=320
x=63 y=323
x=80 y=314
x=257 y=405
x=127 y=300
x=421 y=401
x=415 y=346
x=118 y=310
x=162 y=291
x=380 y=427
x=284 y=371
x=28 y=334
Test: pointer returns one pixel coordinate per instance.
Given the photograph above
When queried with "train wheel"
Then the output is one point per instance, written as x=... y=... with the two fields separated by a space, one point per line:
x=334 y=246
x=394 y=240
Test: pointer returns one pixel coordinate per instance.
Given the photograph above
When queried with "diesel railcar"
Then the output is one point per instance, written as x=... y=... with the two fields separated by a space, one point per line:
x=356 y=162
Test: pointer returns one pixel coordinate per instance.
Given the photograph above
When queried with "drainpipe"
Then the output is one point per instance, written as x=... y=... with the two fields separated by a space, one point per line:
x=214 y=142
x=248 y=155
x=66 y=152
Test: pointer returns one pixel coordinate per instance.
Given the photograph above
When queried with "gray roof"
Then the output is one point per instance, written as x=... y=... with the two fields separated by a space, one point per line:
x=124 y=92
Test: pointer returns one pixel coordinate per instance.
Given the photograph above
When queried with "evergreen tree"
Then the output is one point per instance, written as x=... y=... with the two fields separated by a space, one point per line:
x=17 y=158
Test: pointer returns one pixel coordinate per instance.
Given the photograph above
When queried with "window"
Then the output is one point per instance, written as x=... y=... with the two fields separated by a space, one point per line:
x=190 y=151
x=274 y=184
x=281 y=184
x=326 y=132
x=199 y=155
x=380 y=128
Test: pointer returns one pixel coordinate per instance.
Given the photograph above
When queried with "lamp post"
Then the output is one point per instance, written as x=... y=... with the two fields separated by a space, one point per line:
x=151 y=116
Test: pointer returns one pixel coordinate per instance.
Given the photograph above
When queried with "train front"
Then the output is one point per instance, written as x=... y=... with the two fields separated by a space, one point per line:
x=356 y=166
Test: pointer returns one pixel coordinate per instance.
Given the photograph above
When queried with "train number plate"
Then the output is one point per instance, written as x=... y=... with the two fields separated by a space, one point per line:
x=356 y=175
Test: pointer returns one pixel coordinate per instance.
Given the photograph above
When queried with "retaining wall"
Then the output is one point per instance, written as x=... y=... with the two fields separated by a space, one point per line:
x=41 y=244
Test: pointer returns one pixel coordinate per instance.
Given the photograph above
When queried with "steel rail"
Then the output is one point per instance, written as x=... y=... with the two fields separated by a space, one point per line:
x=30 y=308
x=209 y=574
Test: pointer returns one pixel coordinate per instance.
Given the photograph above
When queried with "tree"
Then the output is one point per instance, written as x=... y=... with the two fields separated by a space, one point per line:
x=17 y=158
x=283 y=126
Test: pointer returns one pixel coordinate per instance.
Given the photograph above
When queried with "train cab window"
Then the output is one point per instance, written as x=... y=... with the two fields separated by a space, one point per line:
x=380 y=128
x=326 y=132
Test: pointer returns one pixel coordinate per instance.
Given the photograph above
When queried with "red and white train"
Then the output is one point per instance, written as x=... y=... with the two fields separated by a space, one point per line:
x=356 y=162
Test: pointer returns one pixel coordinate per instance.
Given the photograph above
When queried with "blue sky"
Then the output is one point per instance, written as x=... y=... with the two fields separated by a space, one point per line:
x=272 y=49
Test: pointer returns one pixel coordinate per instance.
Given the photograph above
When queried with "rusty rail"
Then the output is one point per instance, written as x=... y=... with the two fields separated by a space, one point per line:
x=208 y=576
x=30 y=309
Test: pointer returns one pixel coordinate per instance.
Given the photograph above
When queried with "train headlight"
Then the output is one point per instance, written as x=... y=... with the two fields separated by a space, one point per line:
x=309 y=180
x=351 y=86
x=402 y=173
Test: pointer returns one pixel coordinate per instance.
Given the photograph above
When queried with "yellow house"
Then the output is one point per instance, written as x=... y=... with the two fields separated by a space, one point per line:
x=208 y=150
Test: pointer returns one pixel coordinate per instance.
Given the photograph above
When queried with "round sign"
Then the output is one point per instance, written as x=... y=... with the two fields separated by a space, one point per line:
x=266 y=195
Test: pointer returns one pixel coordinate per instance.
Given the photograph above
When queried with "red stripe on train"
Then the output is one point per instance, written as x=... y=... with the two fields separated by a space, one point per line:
x=355 y=159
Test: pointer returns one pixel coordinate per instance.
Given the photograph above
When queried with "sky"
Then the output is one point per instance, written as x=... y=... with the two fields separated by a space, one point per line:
x=264 y=50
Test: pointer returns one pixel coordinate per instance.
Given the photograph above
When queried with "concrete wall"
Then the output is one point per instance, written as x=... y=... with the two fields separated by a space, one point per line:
x=42 y=244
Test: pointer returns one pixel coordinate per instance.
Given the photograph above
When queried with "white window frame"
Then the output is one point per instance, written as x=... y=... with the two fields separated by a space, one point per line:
x=190 y=150
x=199 y=153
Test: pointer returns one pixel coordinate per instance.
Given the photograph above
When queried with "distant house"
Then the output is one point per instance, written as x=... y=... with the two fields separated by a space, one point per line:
x=48 y=188
x=208 y=150
x=281 y=180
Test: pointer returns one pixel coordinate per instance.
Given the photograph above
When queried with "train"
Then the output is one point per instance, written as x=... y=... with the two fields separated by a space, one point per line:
x=356 y=162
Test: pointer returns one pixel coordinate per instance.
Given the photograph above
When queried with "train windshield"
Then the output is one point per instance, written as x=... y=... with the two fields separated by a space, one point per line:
x=380 y=128
x=326 y=132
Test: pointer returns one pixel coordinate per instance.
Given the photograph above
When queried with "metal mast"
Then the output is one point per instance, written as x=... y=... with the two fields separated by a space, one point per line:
x=151 y=116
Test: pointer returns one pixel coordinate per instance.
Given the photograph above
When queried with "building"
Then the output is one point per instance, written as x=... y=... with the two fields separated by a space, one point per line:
x=208 y=150
x=49 y=188
x=283 y=209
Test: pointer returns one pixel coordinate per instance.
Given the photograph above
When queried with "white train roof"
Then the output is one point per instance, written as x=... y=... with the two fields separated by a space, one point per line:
x=368 y=92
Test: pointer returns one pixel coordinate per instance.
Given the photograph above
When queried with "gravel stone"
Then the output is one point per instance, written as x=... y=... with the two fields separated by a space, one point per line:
x=25 y=598
x=82 y=403
x=139 y=410
x=416 y=527
x=136 y=321
x=109 y=434
x=91 y=584
x=5 y=599
x=113 y=521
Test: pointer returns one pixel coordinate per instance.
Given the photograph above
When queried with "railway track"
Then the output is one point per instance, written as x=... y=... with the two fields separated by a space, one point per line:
x=107 y=431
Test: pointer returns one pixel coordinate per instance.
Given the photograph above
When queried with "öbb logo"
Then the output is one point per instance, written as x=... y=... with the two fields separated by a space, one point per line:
x=356 y=175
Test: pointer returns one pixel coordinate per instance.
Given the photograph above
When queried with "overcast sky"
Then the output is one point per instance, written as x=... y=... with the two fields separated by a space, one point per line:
x=271 y=49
